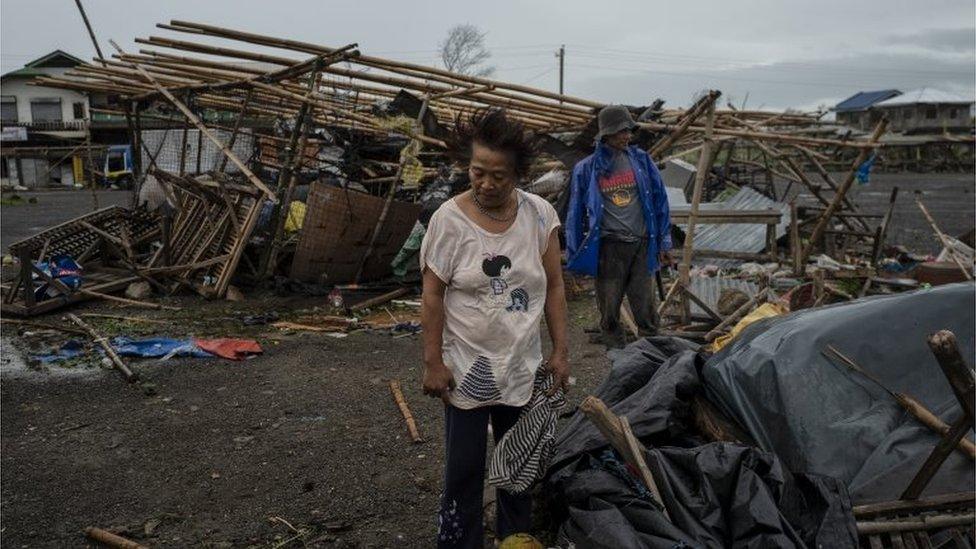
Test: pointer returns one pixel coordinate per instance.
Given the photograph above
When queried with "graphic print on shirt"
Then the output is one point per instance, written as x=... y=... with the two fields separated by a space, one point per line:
x=479 y=383
x=520 y=301
x=496 y=267
x=619 y=187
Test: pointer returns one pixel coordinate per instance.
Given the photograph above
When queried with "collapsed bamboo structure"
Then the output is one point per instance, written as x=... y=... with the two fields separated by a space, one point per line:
x=314 y=96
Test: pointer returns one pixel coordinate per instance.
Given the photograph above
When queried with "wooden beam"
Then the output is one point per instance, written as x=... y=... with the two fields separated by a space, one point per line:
x=618 y=433
x=704 y=163
x=818 y=230
x=203 y=128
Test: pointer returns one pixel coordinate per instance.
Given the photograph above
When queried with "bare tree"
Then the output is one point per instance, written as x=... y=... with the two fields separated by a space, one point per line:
x=464 y=52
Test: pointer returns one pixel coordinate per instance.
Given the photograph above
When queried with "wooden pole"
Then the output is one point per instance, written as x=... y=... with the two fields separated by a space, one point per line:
x=957 y=372
x=405 y=411
x=618 y=433
x=88 y=26
x=131 y=302
x=382 y=63
x=389 y=197
x=829 y=181
x=943 y=239
x=960 y=377
x=704 y=163
x=237 y=127
x=103 y=342
x=291 y=165
x=742 y=311
x=691 y=115
x=818 y=230
x=924 y=522
x=200 y=126
x=91 y=170
x=111 y=540
x=918 y=410
x=795 y=244
x=770 y=136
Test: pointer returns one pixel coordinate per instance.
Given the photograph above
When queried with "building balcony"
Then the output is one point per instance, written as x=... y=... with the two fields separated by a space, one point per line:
x=50 y=125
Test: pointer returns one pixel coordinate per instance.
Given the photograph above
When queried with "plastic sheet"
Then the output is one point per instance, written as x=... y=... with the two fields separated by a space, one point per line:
x=717 y=494
x=820 y=417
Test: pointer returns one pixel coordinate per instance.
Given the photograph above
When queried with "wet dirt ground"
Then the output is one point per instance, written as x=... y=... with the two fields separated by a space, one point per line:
x=303 y=442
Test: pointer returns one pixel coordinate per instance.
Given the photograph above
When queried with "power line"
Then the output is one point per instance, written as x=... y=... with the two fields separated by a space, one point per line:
x=703 y=75
x=538 y=76
x=625 y=55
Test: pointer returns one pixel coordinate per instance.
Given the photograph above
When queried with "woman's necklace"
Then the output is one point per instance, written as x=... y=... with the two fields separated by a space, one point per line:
x=483 y=210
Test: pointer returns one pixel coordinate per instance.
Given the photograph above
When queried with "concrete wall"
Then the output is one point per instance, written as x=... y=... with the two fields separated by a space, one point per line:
x=908 y=118
x=17 y=87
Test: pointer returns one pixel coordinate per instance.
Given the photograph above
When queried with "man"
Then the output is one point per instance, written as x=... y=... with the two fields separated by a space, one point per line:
x=618 y=225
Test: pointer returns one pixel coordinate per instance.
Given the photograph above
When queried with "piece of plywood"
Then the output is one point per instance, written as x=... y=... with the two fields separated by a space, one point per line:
x=336 y=232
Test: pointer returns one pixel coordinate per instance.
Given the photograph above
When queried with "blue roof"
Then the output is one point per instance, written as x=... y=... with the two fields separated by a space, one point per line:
x=862 y=100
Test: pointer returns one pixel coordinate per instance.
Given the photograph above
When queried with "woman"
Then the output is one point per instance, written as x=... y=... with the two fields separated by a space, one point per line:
x=491 y=267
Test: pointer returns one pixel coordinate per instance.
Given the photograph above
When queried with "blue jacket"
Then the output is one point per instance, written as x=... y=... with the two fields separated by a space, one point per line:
x=586 y=209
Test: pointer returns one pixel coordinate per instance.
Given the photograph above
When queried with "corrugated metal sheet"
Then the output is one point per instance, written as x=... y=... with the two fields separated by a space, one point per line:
x=709 y=290
x=737 y=237
x=926 y=96
x=862 y=100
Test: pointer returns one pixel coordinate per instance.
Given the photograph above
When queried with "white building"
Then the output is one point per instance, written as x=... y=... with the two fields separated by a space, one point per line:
x=40 y=118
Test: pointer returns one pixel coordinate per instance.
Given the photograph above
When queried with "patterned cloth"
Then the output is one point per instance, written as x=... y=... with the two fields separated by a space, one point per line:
x=522 y=456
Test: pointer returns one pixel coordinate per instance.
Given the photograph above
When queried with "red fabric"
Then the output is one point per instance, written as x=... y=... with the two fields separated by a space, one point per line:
x=233 y=349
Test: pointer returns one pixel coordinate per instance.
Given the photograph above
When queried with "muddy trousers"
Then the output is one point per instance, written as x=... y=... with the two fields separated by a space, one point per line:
x=622 y=270
x=461 y=517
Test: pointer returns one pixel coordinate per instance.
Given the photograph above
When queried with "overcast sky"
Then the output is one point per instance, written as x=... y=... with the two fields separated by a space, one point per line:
x=761 y=53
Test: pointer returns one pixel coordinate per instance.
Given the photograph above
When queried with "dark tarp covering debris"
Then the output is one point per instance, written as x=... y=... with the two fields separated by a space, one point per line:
x=819 y=417
x=718 y=494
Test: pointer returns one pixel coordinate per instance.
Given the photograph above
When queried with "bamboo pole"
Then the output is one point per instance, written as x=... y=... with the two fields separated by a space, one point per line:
x=918 y=410
x=924 y=522
x=742 y=311
x=103 y=342
x=704 y=163
x=368 y=60
x=111 y=540
x=656 y=126
x=618 y=433
x=818 y=230
x=943 y=239
x=131 y=302
x=689 y=118
x=200 y=126
x=405 y=411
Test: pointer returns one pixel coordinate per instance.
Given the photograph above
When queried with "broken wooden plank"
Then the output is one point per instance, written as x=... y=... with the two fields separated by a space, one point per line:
x=619 y=435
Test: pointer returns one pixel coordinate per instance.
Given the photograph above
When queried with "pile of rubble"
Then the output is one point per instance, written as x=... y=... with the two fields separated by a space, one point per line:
x=318 y=173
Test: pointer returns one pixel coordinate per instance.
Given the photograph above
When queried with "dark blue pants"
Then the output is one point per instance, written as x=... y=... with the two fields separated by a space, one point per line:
x=461 y=518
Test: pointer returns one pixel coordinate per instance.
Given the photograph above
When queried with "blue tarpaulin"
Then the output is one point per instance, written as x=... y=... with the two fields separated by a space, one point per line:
x=864 y=170
x=157 y=347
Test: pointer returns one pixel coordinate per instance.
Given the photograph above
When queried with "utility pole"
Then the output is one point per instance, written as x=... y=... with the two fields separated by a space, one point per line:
x=88 y=136
x=562 y=58
x=91 y=33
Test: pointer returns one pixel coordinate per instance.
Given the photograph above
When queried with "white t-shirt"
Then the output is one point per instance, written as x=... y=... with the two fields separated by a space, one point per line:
x=495 y=298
